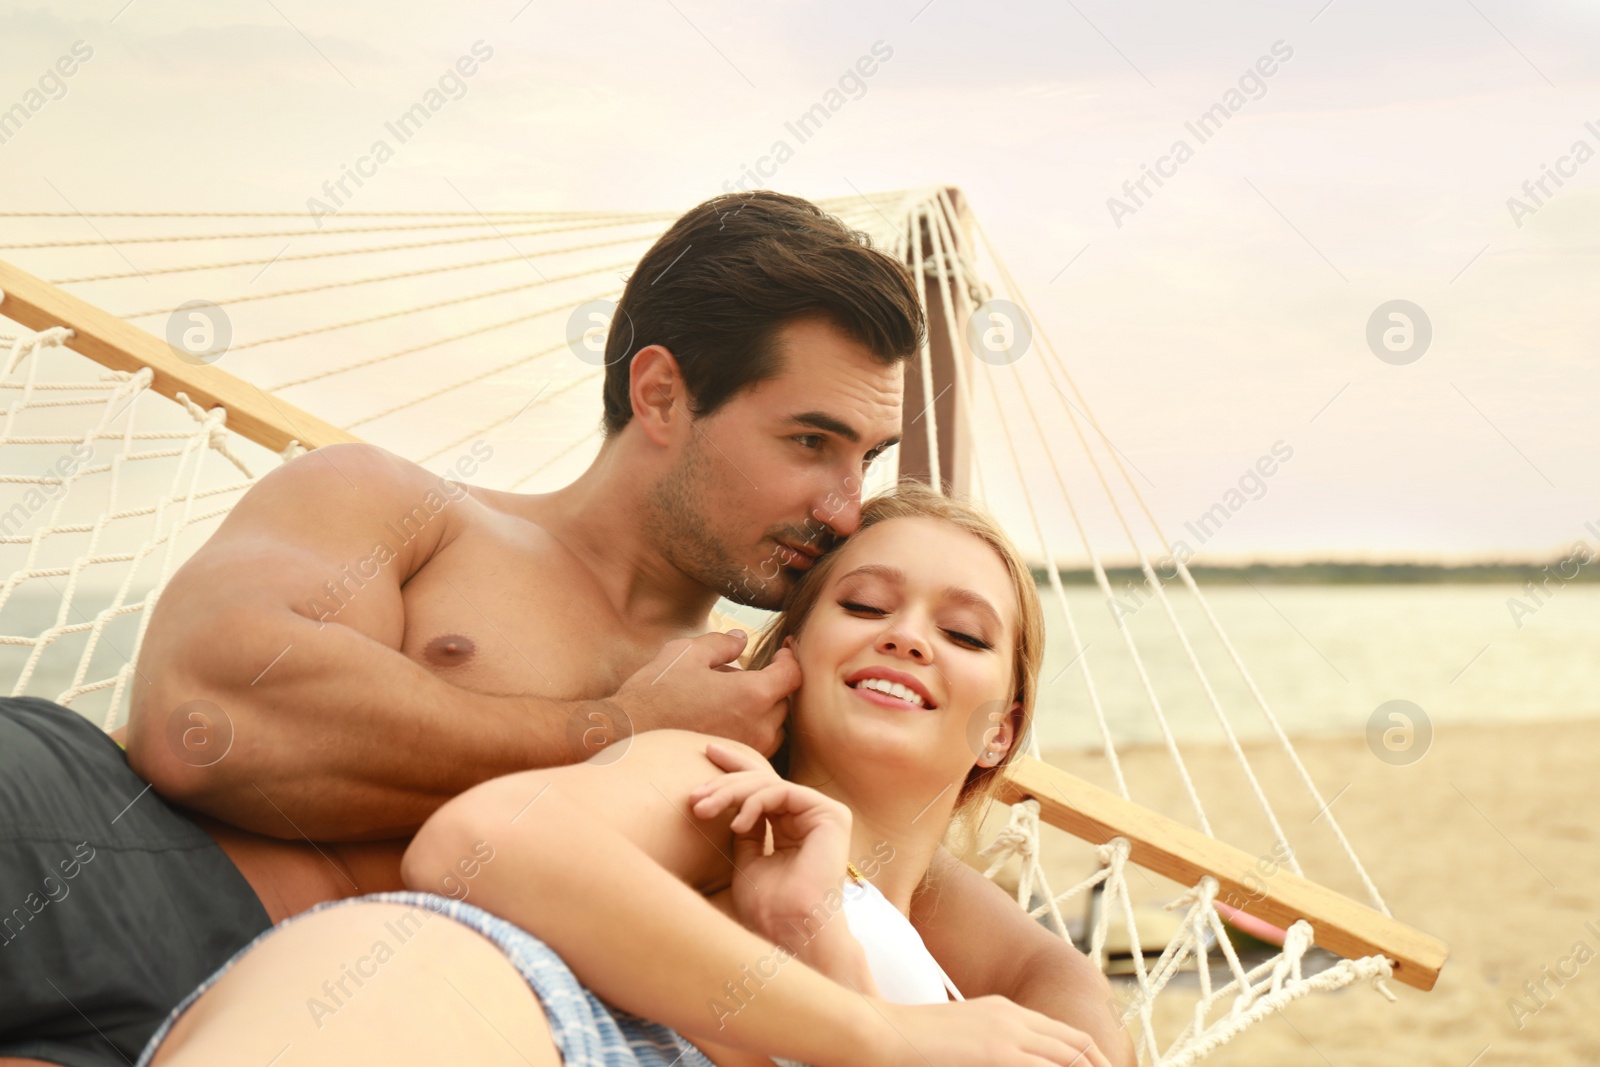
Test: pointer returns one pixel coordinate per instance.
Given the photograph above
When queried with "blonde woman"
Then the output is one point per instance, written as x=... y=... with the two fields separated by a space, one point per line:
x=676 y=900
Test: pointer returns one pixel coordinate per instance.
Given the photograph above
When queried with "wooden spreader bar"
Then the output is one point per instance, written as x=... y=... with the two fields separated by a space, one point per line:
x=113 y=343
x=1184 y=855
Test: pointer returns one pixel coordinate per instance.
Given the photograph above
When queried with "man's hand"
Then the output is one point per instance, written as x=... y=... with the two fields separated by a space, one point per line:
x=690 y=685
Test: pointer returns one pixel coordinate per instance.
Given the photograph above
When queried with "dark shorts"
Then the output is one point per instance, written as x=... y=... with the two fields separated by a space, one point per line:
x=113 y=905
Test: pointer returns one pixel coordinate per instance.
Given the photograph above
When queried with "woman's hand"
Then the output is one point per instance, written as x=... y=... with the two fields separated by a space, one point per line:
x=983 y=1032
x=777 y=896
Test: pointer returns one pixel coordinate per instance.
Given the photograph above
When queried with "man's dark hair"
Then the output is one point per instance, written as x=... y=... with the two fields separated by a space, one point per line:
x=718 y=286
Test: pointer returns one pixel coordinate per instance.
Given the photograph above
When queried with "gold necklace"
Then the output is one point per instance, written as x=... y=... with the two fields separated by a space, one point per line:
x=855 y=875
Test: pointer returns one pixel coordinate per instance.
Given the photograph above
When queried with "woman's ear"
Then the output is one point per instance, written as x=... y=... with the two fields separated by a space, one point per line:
x=788 y=642
x=1004 y=736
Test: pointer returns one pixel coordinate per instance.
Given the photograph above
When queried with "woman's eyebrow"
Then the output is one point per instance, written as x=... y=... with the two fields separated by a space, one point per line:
x=892 y=575
x=975 y=601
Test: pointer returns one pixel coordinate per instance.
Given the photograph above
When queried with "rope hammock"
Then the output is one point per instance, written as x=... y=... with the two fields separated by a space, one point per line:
x=128 y=456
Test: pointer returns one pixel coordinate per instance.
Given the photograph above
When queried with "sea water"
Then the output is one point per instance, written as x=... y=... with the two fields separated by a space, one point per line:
x=1324 y=657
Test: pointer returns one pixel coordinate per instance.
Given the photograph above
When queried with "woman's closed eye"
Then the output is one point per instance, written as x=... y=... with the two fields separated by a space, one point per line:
x=966 y=639
x=969 y=639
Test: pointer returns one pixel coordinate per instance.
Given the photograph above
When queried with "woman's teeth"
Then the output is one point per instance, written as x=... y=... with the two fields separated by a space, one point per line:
x=894 y=689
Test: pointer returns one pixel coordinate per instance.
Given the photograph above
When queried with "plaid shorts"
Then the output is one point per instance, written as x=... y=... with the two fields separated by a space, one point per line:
x=588 y=1031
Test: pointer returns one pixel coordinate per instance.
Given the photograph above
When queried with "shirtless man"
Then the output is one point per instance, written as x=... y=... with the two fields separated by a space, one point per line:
x=362 y=640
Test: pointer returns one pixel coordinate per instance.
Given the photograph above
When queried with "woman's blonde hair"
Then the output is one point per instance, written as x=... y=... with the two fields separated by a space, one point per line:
x=912 y=499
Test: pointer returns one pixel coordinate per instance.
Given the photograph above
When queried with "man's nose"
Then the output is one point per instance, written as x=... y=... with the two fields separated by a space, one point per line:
x=844 y=517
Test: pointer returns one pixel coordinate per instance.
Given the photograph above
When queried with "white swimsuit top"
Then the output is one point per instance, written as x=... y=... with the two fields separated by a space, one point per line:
x=901 y=964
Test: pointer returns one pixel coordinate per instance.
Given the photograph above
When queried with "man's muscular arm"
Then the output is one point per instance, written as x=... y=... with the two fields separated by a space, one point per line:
x=336 y=735
x=987 y=944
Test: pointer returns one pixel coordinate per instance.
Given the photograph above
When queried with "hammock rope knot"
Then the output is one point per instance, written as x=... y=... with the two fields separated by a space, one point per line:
x=1020 y=837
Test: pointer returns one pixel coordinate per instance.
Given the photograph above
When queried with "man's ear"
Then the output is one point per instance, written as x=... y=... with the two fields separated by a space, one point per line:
x=657 y=392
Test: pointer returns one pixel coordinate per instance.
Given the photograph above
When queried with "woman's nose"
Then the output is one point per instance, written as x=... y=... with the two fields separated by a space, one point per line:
x=902 y=642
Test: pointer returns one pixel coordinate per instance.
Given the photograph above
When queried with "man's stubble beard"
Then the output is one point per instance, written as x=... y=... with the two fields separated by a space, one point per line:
x=678 y=510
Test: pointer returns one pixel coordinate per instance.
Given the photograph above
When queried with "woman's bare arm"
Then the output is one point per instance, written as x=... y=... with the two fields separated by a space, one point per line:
x=594 y=860
x=607 y=865
x=987 y=944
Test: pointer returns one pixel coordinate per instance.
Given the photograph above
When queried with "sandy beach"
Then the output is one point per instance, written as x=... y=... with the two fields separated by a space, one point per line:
x=1487 y=842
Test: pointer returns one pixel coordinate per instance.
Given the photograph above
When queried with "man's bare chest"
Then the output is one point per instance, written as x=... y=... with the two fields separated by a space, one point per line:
x=503 y=607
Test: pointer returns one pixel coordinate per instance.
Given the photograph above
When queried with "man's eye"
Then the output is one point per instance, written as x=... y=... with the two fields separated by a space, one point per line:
x=809 y=441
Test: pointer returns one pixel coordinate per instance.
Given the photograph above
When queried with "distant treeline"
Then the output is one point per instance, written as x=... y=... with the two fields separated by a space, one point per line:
x=1561 y=570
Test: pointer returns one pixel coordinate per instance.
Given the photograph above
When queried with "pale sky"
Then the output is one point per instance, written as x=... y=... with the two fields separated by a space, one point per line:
x=1227 y=312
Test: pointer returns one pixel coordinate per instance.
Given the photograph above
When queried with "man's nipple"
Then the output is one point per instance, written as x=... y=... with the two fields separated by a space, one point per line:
x=449 y=650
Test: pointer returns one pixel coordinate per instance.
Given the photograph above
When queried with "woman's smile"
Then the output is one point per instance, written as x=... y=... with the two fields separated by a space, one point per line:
x=872 y=695
x=892 y=682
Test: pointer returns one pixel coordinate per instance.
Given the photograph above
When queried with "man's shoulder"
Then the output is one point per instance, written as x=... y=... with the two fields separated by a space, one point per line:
x=349 y=469
x=375 y=474
x=359 y=466
x=340 y=496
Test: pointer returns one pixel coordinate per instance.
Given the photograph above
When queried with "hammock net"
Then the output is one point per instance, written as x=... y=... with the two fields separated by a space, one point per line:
x=440 y=334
